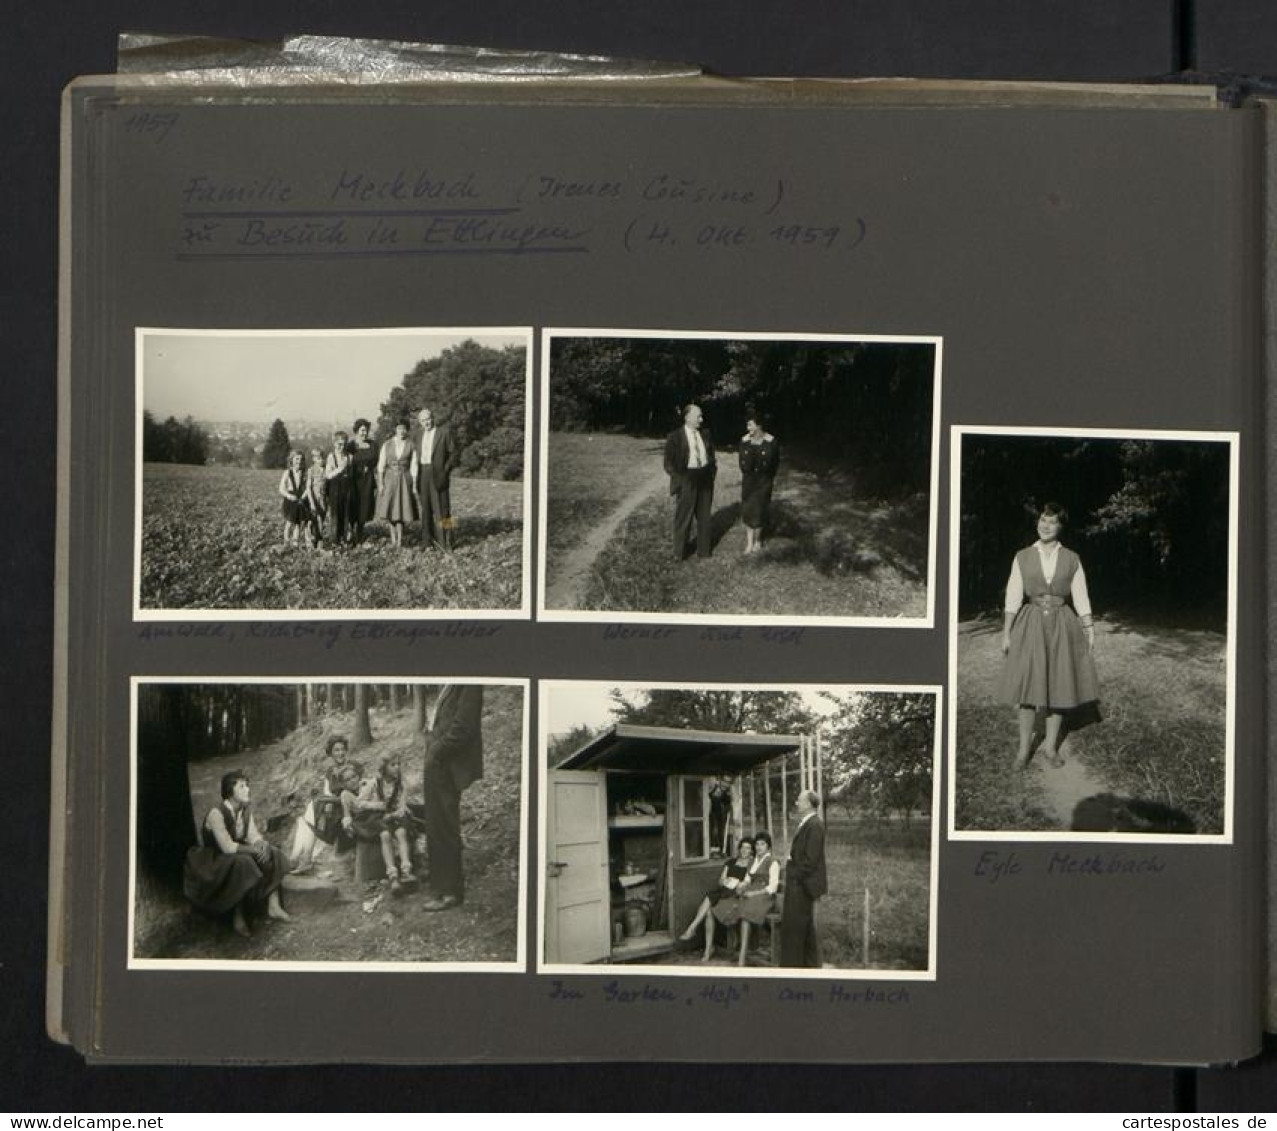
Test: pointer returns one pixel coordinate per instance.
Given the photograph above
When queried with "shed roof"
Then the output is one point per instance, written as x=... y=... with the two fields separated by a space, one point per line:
x=677 y=750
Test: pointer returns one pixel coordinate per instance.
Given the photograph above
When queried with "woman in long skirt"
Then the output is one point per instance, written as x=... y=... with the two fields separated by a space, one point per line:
x=1048 y=638
x=759 y=459
x=397 y=482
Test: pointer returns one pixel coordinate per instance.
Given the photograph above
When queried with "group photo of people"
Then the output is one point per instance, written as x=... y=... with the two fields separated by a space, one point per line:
x=327 y=822
x=760 y=476
x=1091 y=646
x=754 y=828
x=398 y=457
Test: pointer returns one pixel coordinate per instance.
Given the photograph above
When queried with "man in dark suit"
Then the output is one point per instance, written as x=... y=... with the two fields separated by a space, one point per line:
x=437 y=457
x=689 y=462
x=454 y=759
x=805 y=882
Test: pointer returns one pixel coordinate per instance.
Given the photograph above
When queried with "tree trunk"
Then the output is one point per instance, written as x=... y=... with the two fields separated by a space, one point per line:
x=394 y=698
x=330 y=698
x=418 y=707
x=166 y=824
x=360 y=731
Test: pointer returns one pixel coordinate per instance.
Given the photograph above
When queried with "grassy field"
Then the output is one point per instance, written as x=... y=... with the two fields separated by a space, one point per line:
x=828 y=551
x=484 y=928
x=891 y=862
x=212 y=539
x=1155 y=763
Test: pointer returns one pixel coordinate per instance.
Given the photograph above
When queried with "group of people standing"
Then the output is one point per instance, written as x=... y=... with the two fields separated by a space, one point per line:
x=691 y=463
x=236 y=869
x=749 y=885
x=404 y=480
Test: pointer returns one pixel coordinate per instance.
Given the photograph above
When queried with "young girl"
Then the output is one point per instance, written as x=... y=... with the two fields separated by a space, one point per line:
x=292 y=486
x=337 y=473
x=316 y=496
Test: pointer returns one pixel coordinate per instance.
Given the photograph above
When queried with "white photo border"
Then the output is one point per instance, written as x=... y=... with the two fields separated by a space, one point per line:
x=518 y=965
x=524 y=610
x=957 y=433
x=549 y=334
x=640 y=969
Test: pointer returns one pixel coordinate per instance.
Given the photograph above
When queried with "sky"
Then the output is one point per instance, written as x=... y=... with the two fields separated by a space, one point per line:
x=326 y=377
x=589 y=704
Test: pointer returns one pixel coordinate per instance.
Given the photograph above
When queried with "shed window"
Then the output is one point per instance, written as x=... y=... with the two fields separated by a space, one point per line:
x=694 y=818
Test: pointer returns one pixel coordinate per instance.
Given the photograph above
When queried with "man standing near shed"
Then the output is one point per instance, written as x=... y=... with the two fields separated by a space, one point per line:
x=436 y=460
x=454 y=759
x=689 y=462
x=805 y=883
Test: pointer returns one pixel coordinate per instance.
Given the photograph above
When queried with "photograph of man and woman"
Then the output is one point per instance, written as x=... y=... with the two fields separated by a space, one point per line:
x=1092 y=644
x=764 y=476
x=294 y=822
x=332 y=470
x=756 y=828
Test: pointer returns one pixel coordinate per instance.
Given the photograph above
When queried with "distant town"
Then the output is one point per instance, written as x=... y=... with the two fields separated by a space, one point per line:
x=241 y=443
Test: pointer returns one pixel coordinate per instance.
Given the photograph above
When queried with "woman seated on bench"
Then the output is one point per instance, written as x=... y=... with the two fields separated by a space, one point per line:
x=733 y=875
x=235 y=866
x=756 y=897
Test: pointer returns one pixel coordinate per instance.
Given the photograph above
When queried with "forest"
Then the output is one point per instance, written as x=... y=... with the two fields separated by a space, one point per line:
x=864 y=407
x=1149 y=518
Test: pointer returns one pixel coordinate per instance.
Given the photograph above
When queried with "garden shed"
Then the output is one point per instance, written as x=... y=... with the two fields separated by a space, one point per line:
x=639 y=822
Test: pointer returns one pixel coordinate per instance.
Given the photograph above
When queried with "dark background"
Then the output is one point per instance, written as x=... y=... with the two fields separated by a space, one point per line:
x=44 y=47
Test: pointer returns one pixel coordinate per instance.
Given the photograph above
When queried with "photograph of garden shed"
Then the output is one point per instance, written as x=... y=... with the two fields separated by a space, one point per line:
x=671 y=818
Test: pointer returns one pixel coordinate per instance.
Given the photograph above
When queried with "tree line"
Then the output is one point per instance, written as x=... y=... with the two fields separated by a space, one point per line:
x=863 y=407
x=1149 y=518
x=173 y=441
x=480 y=393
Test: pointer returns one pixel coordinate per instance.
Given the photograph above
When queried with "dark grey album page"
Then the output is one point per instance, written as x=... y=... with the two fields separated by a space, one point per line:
x=946 y=319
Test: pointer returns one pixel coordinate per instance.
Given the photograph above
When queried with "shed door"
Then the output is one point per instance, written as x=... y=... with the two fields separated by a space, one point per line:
x=578 y=912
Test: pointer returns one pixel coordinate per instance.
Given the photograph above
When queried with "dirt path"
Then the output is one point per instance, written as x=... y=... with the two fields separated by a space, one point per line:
x=1064 y=786
x=566 y=590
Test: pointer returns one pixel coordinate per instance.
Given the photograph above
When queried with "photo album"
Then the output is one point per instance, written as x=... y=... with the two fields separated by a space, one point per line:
x=659 y=568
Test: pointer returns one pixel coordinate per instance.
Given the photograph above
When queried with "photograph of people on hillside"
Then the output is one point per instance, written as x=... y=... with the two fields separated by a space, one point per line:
x=702 y=475
x=757 y=829
x=1091 y=647
x=322 y=472
x=327 y=823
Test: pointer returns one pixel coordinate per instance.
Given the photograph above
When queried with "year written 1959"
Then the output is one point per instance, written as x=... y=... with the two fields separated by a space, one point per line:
x=734 y=235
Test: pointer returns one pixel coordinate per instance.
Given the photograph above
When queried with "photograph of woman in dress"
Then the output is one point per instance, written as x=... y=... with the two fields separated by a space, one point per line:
x=235 y=867
x=337 y=471
x=397 y=482
x=1118 y=610
x=1048 y=638
x=759 y=459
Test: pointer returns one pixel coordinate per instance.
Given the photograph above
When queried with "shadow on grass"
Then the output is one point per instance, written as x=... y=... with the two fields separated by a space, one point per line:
x=819 y=519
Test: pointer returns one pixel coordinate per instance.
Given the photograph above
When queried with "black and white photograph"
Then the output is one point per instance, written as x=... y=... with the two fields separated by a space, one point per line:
x=754 y=829
x=766 y=478
x=300 y=824
x=1091 y=649
x=383 y=472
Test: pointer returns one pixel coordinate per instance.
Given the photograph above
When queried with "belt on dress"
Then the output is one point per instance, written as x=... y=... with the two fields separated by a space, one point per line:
x=1048 y=601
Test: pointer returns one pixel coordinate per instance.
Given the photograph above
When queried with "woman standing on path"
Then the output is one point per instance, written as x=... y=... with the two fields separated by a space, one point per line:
x=1048 y=639
x=759 y=459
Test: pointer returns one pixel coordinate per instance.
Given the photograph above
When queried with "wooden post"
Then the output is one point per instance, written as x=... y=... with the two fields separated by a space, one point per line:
x=784 y=801
x=767 y=796
x=865 y=941
x=753 y=809
x=820 y=767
